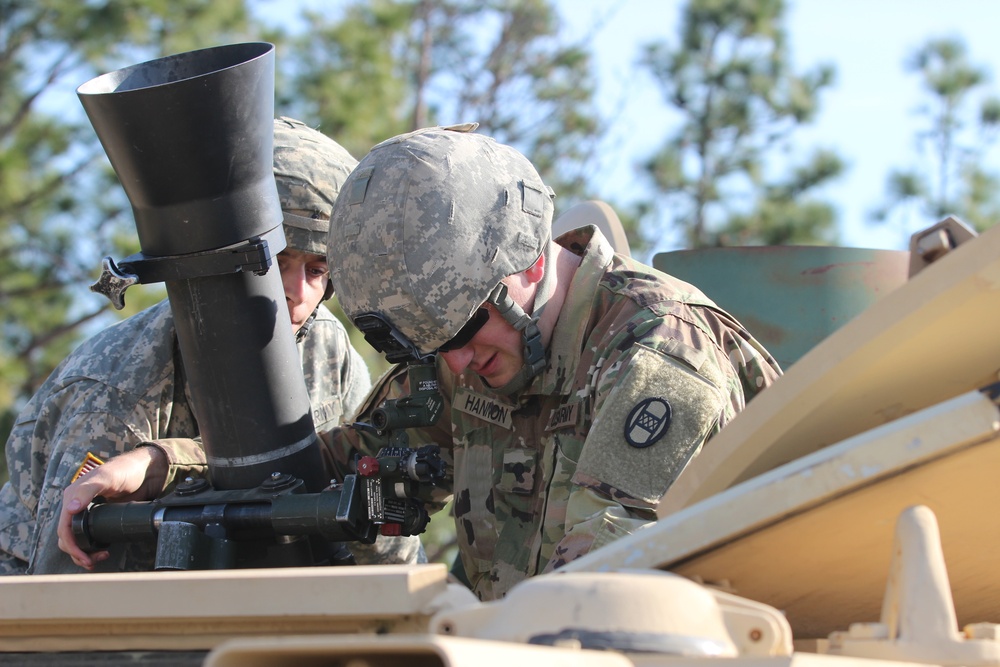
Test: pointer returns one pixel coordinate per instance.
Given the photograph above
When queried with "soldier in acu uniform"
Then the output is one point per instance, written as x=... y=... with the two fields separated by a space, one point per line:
x=578 y=383
x=125 y=386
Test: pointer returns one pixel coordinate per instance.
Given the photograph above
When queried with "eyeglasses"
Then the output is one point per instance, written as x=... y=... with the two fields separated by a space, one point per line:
x=465 y=334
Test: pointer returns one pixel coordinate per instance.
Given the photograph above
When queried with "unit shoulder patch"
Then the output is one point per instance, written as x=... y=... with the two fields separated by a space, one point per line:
x=653 y=421
x=647 y=422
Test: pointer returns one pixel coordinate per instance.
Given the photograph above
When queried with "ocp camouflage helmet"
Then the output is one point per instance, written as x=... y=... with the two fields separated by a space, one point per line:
x=309 y=169
x=427 y=226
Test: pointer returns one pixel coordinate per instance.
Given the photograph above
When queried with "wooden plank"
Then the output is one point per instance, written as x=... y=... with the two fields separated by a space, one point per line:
x=199 y=609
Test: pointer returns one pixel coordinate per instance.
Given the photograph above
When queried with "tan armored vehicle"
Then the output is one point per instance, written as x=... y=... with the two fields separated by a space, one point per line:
x=844 y=518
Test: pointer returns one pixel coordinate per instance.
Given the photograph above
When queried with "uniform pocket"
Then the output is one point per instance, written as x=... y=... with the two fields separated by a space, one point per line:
x=518 y=473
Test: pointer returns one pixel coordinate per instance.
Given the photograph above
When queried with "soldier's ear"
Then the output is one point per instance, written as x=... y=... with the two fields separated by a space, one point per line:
x=535 y=272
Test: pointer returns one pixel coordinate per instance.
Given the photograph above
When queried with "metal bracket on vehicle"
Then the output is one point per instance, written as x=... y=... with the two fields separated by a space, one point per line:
x=933 y=243
x=918 y=622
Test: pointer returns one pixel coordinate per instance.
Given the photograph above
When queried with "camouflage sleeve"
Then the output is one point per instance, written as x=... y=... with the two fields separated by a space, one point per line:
x=16 y=526
x=46 y=448
x=594 y=519
x=662 y=394
x=185 y=456
x=11 y=565
x=55 y=449
x=754 y=366
x=653 y=414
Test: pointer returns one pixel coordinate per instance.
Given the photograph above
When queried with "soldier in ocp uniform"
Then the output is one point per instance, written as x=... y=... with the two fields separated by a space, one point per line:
x=578 y=383
x=125 y=387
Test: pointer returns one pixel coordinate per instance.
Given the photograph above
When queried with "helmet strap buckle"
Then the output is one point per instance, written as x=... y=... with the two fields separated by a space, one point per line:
x=534 y=351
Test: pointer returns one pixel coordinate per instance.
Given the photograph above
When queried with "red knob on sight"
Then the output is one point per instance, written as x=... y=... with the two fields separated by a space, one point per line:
x=368 y=466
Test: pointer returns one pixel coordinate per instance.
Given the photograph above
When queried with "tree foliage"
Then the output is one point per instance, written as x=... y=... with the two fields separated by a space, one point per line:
x=343 y=75
x=388 y=66
x=961 y=124
x=360 y=72
x=523 y=60
x=730 y=81
x=60 y=205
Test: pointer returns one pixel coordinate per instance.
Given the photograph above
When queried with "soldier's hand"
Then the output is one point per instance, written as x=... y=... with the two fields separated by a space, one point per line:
x=135 y=475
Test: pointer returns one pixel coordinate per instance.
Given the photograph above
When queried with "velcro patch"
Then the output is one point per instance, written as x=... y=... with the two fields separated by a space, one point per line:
x=359 y=186
x=487 y=408
x=652 y=423
x=534 y=200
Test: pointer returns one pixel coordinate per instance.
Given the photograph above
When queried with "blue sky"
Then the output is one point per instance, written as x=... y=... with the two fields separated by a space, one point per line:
x=868 y=116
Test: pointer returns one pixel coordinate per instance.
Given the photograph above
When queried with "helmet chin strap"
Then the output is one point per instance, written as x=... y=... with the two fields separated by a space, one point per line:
x=303 y=331
x=534 y=351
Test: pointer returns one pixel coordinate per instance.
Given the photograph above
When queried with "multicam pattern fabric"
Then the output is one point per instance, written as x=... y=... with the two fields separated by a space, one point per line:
x=121 y=388
x=546 y=477
x=462 y=212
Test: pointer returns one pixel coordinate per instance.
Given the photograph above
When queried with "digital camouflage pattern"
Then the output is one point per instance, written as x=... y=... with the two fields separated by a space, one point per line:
x=123 y=387
x=116 y=390
x=565 y=467
x=428 y=224
x=309 y=170
x=336 y=375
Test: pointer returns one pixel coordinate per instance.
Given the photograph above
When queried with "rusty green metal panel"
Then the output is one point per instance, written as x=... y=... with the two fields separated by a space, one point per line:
x=790 y=297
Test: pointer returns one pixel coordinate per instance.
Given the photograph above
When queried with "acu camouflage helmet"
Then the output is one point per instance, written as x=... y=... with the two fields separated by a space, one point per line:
x=309 y=170
x=428 y=225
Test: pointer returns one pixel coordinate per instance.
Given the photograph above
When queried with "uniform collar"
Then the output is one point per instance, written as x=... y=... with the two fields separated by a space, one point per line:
x=570 y=331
